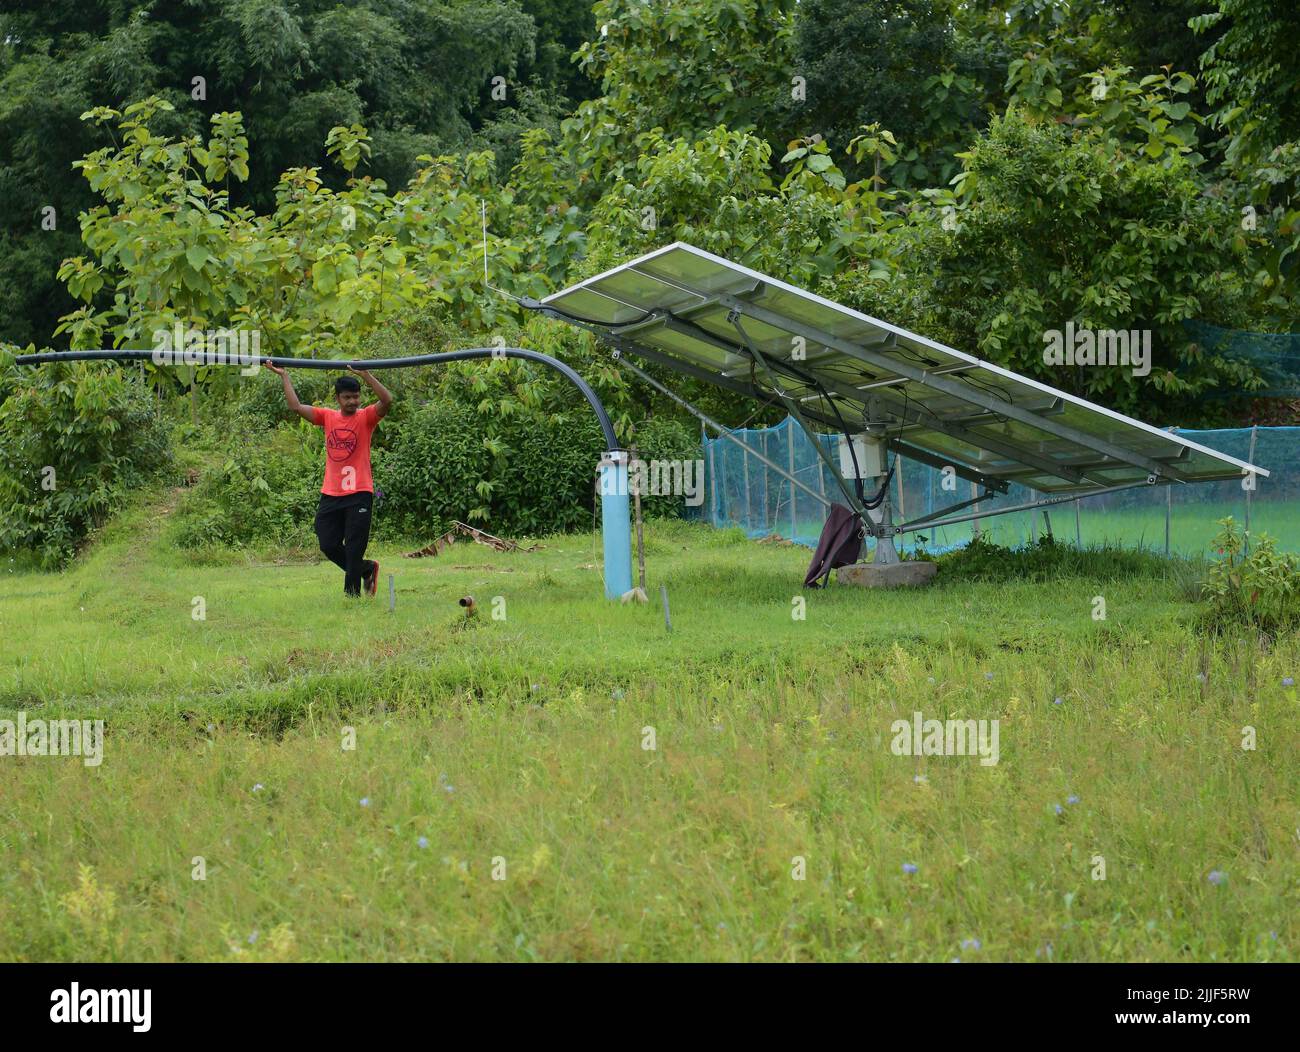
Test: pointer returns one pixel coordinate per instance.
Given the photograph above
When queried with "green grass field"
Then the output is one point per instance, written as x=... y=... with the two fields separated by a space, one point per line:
x=515 y=749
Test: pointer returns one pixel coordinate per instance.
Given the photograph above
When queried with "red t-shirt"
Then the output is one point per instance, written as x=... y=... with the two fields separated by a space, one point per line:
x=347 y=449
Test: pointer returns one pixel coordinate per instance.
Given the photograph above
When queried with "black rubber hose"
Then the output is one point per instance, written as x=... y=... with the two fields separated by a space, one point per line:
x=210 y=358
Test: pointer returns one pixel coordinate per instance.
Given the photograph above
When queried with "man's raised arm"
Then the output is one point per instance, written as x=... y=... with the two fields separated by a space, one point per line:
x=291 y=396
x=381 y=392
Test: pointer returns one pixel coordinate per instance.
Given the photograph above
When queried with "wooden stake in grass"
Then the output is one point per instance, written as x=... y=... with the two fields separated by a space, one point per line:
x=663 y=593
x=636 y=504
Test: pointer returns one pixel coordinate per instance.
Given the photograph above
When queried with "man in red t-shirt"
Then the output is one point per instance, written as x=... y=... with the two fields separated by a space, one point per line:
x=347 y=495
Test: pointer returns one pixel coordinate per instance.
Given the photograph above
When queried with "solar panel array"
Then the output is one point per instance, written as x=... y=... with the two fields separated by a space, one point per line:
x=704 y=316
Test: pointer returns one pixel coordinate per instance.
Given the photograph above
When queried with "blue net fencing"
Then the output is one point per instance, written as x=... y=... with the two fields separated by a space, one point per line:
x=1274 y=357
x=741 y=490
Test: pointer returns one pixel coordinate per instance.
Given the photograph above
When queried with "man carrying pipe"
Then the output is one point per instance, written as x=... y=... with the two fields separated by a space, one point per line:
x=347 y=494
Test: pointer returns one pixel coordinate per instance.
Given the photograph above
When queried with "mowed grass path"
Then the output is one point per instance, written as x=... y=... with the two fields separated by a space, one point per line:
x=516 y=749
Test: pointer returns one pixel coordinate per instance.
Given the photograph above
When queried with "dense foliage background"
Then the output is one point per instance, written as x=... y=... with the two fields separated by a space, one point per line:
x=318 y=172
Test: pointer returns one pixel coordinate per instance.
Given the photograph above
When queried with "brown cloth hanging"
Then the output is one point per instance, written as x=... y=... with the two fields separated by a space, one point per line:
x=839 y=545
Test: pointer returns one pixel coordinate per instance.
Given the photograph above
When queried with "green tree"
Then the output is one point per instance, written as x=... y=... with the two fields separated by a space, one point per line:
x=1055 y=224
x=1251 y=73
x=897 y=63
x=683 y=68
x=415 y=73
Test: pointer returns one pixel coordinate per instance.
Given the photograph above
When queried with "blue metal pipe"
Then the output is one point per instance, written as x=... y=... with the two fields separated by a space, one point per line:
x=615 y=523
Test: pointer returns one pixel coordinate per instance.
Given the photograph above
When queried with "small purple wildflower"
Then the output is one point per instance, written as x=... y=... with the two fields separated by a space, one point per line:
x=909 y=867
x=1057 y=701
x=1072 y=799
x=258 y=787
x=1288 y=681
x=988 y=675
x=1217 y=877
x=252 y=938
x=422 y=842
x=1059 y=809
x=365 y=801
x=971 y=944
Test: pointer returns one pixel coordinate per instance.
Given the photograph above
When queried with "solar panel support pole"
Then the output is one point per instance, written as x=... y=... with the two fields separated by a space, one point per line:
x=883 y=528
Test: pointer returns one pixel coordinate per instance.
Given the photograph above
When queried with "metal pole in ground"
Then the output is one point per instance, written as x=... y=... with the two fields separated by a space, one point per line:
x=636 y=477
x=713 y=478
x=1078 y=527
x=1169 y=515
x=392 y=595
x=747 y=509
x=794 y=494
x=663 y=592
x=975 y=522
x=1250 y=459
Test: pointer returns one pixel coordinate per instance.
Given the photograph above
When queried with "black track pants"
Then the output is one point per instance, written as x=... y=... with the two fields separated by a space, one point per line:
x=343 y=529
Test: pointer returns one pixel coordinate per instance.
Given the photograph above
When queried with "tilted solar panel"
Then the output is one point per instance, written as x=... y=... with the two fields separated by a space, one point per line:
x=704 y=316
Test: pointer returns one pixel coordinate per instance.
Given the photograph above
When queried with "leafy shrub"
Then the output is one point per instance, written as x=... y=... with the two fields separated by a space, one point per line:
x=1045 y=560
x=663 y=438
x=78 y=436
x=543 y=480
x=264 y=492
x=527 y=473
x=1258 y=590
x=432 y=472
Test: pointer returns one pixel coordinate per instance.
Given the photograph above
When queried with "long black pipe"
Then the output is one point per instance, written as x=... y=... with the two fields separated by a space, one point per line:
x=214 y=358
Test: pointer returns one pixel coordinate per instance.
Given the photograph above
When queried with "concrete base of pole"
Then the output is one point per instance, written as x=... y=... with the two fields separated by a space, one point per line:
x=887 y=575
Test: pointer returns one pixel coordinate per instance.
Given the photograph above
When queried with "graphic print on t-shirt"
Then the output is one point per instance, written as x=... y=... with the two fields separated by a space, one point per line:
x=340 y=442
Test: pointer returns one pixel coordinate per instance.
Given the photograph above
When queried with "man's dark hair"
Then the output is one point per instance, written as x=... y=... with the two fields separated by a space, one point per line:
x=346 y=383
